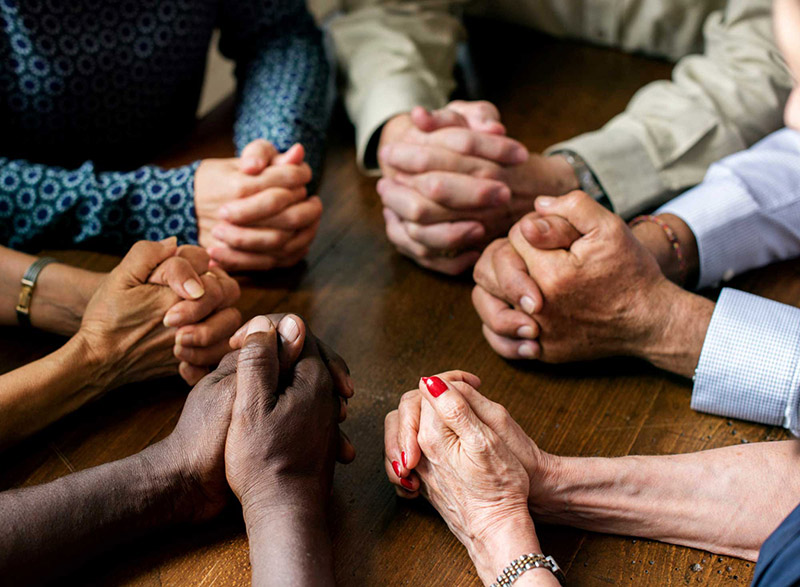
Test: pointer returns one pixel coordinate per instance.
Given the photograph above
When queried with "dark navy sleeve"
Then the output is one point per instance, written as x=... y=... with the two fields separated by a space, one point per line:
x=51 y=207
x=282 y=74
x=779 y=560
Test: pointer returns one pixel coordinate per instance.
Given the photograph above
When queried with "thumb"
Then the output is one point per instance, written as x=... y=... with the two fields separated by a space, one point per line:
x=429 y=121
x=452 y=409
x=548 y=232
x=578 y=208
x=256 y=156
x=144 y=257
x=257 y=371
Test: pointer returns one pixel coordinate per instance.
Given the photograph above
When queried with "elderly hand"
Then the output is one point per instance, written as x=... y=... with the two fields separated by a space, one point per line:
x=123 y=323
x=283 y=437
x=452 y=182
x=253 y=212
x=470 y=473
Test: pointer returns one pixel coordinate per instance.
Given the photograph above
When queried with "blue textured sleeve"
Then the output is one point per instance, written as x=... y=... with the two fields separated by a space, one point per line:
x=748 y=368
x=282 y=74
x=51 y=207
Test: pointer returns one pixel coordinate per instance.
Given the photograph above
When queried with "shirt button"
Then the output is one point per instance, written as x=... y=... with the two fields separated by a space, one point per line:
x=728 y=275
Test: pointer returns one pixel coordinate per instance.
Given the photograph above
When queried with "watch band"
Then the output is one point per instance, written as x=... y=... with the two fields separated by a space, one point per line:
x=26 y=291
x=586 y=177
x=526 y=562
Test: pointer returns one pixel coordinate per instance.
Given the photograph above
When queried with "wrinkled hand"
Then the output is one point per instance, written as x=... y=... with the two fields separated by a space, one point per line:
x=253 y=212
x=283 y=437
x=452 y=182
x=469 y=472
x=123 y=323
x=604 y=295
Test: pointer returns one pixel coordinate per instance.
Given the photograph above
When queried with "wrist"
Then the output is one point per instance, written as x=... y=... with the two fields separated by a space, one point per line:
x=655 y=239
x=563 y=176
x=506 y=540
x=292 y=497
x=170 y=485
x=678 y=324
x=60 y=298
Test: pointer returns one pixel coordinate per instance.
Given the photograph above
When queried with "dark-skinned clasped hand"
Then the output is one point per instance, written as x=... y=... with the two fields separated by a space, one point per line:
x=233 y=428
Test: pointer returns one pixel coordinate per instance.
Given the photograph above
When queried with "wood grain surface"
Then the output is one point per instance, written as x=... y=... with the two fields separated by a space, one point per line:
x=394 y=322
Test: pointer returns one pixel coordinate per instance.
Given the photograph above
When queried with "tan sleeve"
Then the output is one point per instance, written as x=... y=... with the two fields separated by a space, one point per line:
x=394 y=55
x=717 y=103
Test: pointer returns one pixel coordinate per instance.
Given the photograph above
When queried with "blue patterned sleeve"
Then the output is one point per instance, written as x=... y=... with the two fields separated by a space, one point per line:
x=749 y=367
x=282 y=74
x=51 y=207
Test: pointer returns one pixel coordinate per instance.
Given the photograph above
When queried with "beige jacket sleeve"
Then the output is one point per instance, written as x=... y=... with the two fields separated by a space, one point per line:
x=394 y=55
x=717 y=103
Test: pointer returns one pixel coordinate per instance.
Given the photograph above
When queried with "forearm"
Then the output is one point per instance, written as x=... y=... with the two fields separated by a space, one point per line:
x=49 y=529
x=40 y=393
x=725 y=500
x=60 y=296
x=289 y=545
x=89 y=208
x=679 y=322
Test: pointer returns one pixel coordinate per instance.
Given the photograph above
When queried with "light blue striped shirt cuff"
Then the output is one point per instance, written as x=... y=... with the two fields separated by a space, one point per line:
x=746 y=213
x=748 y=367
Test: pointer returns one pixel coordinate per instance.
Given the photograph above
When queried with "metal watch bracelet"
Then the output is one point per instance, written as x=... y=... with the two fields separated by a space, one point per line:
x=586 y=178
x=28 y=284
x=526 y=562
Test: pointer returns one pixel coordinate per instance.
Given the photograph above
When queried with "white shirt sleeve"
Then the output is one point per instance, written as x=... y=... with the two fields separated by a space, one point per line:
x=746 y=213
x=748 y=368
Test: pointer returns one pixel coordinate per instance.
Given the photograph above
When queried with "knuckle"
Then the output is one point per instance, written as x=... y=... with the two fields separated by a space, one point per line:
x=455 y=411
x=487 y=172
x=416 y=211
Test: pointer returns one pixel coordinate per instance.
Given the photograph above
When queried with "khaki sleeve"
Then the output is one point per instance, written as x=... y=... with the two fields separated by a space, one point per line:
x=394 y=55
x=717 y=103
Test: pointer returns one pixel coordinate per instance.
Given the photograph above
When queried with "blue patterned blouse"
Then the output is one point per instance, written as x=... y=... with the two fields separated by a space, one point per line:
x=88 y=84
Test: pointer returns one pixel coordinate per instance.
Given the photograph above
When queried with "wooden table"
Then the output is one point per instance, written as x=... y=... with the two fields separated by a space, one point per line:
x=394 y=322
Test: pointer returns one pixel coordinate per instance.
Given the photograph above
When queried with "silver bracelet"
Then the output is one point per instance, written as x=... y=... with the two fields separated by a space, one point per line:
x=525 y=563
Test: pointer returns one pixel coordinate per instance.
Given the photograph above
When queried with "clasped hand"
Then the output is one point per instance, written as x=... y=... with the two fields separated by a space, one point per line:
x=452 y=182
x=253 y=211
x=265 y=423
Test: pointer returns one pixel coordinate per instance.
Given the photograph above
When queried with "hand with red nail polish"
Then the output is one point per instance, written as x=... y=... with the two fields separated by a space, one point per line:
x=472 y=477
x=253 y=212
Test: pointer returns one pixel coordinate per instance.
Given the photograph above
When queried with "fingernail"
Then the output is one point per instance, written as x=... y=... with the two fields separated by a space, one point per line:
x=224 y=213
x=526 y=350
x=436 y=386
x=396 y=467
x=542 y=224
x=186 y=339
x=527 y=304
x=194 y=288
x=407 y=484
x=289 y=329
x=259 y=324
x=177 y=349
x=525 y=332
x=403 y=458
x=172 y=319
x=545 y=201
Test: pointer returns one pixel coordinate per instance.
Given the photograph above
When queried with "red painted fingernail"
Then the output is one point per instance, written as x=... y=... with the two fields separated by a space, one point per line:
x=403 y=458
x=396 y=467
x=435 y=386
x=407 y=484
